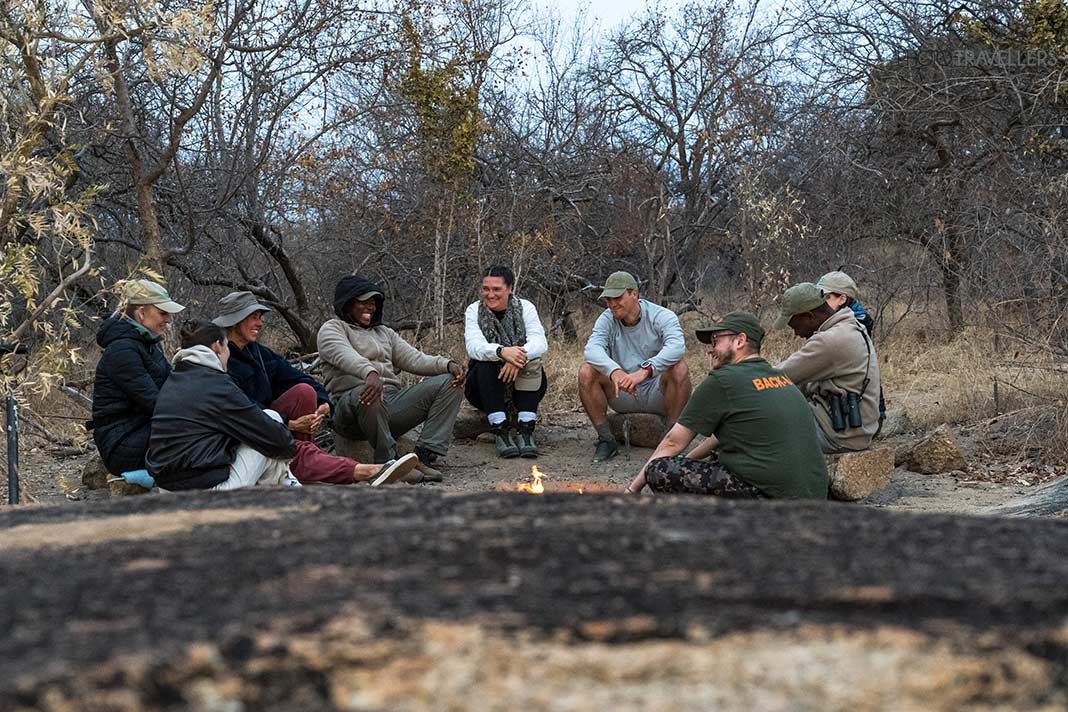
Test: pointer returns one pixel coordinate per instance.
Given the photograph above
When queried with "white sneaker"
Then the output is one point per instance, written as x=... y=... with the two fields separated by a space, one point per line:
x=395 y=470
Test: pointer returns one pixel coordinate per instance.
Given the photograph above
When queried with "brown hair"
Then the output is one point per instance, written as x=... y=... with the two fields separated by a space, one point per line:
x=201 y=333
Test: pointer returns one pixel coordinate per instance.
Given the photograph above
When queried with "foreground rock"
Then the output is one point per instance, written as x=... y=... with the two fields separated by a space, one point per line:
x=856 y=475
x=351 y=598
x=938 y=452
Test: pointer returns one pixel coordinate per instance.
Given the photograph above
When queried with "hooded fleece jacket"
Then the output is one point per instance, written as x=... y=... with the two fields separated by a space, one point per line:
x=201 y=418
x=836 y=359
x=351 y=351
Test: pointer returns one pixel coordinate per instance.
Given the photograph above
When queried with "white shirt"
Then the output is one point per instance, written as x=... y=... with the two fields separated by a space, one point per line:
x=478 y=349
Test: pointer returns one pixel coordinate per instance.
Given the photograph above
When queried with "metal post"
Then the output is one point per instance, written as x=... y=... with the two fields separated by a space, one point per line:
x=12 y=424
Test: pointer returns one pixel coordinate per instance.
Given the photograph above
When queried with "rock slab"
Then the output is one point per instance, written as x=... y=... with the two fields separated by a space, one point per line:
x=938 y=452
x=856 y=475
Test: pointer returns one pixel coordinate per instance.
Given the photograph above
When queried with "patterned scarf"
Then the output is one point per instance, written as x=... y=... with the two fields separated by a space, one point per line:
x=509 y=330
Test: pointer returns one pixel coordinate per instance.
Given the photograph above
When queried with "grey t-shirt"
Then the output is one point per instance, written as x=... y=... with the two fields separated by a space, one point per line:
x=656 y=339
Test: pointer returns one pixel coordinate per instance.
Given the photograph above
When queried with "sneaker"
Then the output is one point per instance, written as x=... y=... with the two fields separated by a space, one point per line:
x=506 y=444
x=395 y=470
x=525 y=439
x=606 y=450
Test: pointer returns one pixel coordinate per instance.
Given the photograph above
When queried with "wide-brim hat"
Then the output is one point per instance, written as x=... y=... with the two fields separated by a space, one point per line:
x=236 y=306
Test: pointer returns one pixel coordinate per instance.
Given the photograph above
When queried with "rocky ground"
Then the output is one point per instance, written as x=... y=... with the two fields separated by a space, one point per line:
x=468 y=595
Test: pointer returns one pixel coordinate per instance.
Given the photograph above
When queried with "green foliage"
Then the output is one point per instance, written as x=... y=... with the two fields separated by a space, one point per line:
x=446 y=108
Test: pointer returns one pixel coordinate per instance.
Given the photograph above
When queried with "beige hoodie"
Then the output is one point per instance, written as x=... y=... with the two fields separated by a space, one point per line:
x=349 y=353
x=834 y=360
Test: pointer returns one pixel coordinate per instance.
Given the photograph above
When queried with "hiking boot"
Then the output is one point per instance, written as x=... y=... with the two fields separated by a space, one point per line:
x=525 y=439
x=426 y=466
x=606 y=450
x=506 y=443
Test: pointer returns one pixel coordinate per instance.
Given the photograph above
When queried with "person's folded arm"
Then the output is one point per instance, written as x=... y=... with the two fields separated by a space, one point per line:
x=596 y=351
x=537 y=344
x=478 y=348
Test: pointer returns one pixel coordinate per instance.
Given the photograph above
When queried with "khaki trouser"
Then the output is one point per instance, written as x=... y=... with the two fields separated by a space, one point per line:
x=434 y=402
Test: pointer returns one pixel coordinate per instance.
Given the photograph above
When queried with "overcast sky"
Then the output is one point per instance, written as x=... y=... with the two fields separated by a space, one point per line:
x=609 y=12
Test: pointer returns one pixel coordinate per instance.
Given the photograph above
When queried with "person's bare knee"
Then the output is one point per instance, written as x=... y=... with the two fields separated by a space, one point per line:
x=587 y=376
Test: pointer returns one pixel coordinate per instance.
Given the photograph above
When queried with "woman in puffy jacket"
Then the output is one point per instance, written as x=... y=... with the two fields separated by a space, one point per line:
x=129 y=374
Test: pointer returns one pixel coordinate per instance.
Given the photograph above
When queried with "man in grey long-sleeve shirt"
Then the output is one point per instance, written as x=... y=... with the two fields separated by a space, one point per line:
x=633 y=362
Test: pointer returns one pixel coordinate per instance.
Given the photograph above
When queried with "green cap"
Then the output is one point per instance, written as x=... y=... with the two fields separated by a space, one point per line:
x=798 y=299
x=367 y=295
x=236 y=306
x=617 y=283
x=738 y=322
x=838 y=283
x=141 y=291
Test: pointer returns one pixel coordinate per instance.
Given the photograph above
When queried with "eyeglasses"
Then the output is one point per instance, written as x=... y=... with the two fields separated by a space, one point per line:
x=715 y=337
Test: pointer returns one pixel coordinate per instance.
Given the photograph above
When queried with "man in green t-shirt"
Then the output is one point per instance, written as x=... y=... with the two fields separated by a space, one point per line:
x=757 y=419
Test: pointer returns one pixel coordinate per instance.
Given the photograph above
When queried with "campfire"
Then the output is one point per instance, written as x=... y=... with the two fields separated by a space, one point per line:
x=535 y=486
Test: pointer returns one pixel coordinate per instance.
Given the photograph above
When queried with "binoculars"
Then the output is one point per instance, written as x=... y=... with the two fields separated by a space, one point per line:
x=845 y=411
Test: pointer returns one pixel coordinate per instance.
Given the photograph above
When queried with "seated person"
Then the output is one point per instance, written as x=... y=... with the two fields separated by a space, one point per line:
x=505 y=343
x=270 y=381
x=836 y=368
x=207 y=434
x=841 y=291
x=129 y=374
x=362 y=362
x=756 y=419
x=633 y=362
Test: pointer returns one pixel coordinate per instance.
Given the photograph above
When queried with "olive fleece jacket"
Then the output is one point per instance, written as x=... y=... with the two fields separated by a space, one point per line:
x=835 y=360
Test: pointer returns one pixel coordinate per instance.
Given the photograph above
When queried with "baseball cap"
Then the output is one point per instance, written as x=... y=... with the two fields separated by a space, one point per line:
x=798 y=299
x=617 y=283
x=142 y=291
x=838 y=283
x=740 y=322
x=367 y=295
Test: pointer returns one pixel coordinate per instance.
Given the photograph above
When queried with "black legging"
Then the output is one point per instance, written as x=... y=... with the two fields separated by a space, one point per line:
x=484 y=391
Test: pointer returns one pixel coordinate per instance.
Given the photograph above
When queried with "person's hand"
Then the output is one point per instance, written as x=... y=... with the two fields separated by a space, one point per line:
x=508 y=373
x=515 y=355
x=372 y=389
x=626 y=381
x=306 y=424
x=459 y=374
x=323 y=410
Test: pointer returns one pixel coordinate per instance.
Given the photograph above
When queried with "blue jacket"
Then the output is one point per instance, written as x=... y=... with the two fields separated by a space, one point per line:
x=264 y=375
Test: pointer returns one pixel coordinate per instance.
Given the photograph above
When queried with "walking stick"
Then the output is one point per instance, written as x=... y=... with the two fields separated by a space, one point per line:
x=11 y=424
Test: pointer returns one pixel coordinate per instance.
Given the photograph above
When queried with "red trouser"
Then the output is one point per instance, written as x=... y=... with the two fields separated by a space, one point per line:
x=311 y=464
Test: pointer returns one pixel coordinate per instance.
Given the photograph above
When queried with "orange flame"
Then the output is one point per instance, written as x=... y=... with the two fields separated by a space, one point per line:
x=536 y=487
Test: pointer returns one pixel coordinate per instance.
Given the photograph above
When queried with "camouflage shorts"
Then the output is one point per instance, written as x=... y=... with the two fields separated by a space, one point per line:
x=679 y=475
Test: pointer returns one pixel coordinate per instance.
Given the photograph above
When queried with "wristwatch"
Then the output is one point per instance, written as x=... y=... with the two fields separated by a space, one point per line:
x=649 y=369
x=499 y=349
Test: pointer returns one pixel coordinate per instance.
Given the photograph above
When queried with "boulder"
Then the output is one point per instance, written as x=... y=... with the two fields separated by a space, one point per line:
x=856 y=475
x=938 y=452
x=121 y=488
x=896 y=422
x=470 y=423
x=645 y=429
x=94 y=474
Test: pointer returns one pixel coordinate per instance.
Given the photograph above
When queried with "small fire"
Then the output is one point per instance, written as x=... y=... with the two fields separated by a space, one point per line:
x=535 y=487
